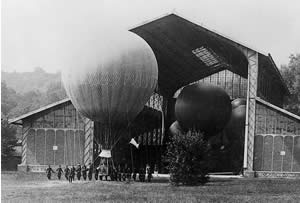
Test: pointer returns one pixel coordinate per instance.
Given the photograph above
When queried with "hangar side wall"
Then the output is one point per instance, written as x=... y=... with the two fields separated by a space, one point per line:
x=269 y=88
x=234 y=84
x=53 y=137
x=276 y=142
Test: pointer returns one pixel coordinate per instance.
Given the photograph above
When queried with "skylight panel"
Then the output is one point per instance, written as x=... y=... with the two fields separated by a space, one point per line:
x=208 y=57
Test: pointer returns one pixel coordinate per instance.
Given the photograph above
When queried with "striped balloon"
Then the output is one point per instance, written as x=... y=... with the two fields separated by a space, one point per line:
x=112 y=83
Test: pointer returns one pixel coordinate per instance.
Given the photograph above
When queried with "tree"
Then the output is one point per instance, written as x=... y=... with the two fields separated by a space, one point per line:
x=188 y=158
x=291 y=75
x=55 y=92
x=8 y=99
x=28 y=102
x=8 y=141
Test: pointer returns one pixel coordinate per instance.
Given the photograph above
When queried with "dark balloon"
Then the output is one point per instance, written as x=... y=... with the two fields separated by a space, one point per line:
x=238 y=102
x=176 y=129
x=204 y=107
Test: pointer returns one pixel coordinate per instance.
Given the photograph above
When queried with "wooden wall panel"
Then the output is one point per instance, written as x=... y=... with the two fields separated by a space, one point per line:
x=258 y=152
x=268 y=153
x=277 y=158
x=60 y=153
x=283 y=127
x=82 y=139
x=288 y=158
x=70 y=147
x=79 y=146
x=296 y=154
x=50 y=137
x=30 y=152
x=270 y=121
x=40 y=146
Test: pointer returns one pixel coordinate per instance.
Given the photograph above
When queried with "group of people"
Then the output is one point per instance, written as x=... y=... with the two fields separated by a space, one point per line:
x=126 y=174
x=102 y=172
x=71 y=172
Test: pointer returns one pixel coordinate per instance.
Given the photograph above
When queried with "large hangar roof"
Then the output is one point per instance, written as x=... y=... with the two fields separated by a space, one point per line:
x=187 y=52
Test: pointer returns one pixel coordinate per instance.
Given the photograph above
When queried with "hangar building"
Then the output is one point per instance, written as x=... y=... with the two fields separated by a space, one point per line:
x=186 y=53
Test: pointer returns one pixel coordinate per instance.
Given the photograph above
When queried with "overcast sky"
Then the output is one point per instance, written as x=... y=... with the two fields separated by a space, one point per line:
x=34 y=30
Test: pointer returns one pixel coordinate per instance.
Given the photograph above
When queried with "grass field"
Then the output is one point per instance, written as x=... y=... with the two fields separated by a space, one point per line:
x=21 y=187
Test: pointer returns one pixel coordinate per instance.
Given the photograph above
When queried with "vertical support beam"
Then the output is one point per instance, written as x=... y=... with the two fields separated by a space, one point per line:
x=252 y=57
x=88 y=141
x=25 y=130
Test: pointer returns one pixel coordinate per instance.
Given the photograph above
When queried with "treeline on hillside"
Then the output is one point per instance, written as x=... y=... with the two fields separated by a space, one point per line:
x=44 y=90
x=23 y=82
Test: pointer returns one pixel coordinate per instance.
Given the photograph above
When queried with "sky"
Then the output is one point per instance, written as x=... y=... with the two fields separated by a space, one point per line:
x=34 y=33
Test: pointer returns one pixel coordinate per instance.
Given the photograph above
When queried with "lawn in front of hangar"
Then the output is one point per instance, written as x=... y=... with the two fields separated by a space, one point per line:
x=34 y=187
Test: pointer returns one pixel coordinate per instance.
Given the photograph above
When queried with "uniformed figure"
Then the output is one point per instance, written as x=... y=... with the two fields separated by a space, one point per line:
x=119 y=173
x=102 y=172
x=149 y=173
x=114 y=174
x=90 y=171
x=48 y=172
x=142 y=174
x=59 y=172
x=67 y=172
x=72 y=174
x=134 y=174
x=78 y=171
x=96 y=173
x=83 y=171
x=123 y=172
x=128 y=174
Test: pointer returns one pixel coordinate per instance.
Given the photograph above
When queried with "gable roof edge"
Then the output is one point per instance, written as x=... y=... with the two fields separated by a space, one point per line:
x=14 y=120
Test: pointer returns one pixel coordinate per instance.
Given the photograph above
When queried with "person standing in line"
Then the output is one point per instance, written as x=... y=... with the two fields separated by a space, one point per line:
x=96 y=173
x=72 y=174
x=90 y=171
x=67 y=172
x=114 y=174
x=134 y=174
x=142 y=174
x=119 y=173
x=149 y=173
x=128 y=174
x=83 y=171
x=48 y=172
x=123 y=172
x=59 y=172
x=102 y=171
x=78 y=171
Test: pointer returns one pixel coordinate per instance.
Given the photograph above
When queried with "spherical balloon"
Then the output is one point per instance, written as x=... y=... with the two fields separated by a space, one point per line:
x=176 y=129
x=204 y=107
x=238 y=102
x=112 y=82
x=238 y=117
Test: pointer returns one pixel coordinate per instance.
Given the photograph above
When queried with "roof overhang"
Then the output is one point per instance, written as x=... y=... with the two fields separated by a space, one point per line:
x=187 y=52
x=177 y=44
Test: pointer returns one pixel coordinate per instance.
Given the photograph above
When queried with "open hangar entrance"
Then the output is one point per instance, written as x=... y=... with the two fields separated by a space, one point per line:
x=187 y=53
x=146 y=129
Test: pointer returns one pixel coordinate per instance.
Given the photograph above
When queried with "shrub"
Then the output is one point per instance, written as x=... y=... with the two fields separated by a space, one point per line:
x=188 y=158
